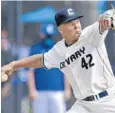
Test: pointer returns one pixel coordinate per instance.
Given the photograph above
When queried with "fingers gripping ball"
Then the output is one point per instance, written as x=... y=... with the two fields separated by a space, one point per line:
x=6 y=71
x=4 y=77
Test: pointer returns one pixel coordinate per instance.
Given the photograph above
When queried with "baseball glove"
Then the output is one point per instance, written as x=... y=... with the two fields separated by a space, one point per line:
x=110 y=16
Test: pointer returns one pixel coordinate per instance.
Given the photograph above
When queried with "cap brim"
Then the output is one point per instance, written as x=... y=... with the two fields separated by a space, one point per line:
x=73 y=18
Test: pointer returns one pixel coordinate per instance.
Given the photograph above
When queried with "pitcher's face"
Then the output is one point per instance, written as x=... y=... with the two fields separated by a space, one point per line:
x=70 y=30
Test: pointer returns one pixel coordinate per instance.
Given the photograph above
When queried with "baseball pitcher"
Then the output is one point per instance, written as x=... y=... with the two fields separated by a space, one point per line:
x=82 y=56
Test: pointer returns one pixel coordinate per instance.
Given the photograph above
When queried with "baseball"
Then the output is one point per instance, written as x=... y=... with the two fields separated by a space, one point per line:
x=4 y=77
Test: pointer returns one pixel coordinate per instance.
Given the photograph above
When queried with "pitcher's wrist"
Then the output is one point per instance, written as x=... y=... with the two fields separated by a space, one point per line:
x=13 y=65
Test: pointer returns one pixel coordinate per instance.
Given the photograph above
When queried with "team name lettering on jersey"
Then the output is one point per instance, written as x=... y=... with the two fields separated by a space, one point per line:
x=72 y=57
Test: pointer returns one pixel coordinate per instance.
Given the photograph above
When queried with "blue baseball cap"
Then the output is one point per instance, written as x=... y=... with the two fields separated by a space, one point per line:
x=66 y=15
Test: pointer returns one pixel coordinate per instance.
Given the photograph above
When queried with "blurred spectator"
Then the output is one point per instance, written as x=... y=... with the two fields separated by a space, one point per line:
x=6 y=54
x=6 y=57
x=47 y=88
x=13 y=92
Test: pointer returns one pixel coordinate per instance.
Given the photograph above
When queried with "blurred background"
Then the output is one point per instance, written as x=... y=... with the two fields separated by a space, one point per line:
x=21 y=27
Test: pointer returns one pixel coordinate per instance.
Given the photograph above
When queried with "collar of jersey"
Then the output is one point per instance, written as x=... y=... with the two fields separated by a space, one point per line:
x=71 y=44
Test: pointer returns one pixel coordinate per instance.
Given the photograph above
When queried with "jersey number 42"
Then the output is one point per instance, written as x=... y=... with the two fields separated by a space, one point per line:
x=87 y=62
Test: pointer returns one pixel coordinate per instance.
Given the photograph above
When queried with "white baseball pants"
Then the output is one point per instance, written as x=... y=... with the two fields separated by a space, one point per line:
x=103 y=105
x=49 y=102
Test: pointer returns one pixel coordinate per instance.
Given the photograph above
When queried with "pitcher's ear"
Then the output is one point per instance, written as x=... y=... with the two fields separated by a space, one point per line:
x=60 y=29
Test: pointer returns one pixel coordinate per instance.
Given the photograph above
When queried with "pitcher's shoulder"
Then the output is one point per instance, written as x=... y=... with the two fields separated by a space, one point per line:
x=60 y=48
x=60 y=44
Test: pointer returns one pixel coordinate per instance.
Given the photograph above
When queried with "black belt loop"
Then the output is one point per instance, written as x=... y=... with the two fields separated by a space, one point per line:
x=96 y=97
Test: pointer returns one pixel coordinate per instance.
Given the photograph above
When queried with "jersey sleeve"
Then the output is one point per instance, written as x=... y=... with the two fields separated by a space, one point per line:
x=93 y=34
x=51 y=58
x=97 y=36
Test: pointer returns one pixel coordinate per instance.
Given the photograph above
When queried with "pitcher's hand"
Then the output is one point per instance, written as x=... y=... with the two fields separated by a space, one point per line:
x=6 y=71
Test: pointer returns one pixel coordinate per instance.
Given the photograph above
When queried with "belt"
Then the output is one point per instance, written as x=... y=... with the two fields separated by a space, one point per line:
x=96 y=97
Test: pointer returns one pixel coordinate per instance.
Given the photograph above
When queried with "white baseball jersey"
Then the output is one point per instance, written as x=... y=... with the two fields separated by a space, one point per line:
x=85 y=62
